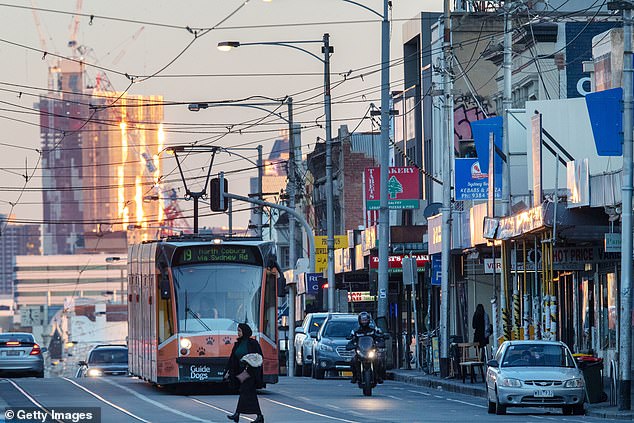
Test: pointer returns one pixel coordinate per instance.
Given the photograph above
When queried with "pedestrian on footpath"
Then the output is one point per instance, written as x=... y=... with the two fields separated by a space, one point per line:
x=482 y=328
x=244 y=371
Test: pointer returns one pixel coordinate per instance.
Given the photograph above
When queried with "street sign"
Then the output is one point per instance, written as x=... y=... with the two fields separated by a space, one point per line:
x=410 y=271
x=382 y=293
x=612 y=243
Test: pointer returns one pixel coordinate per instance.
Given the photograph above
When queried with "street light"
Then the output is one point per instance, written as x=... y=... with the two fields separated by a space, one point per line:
x=327 y=50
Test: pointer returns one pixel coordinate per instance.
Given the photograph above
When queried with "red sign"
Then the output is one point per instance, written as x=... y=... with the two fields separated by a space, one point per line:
x=402 y=187
x=396 y=262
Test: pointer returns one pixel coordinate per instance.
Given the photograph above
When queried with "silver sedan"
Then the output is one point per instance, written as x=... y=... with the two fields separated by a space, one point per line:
x=534 y=373
x=20 y=354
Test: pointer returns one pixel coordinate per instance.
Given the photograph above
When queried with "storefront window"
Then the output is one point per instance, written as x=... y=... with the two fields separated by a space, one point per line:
x=608 y=311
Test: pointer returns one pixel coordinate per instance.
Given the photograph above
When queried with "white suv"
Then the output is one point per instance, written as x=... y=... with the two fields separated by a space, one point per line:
x=304 y=342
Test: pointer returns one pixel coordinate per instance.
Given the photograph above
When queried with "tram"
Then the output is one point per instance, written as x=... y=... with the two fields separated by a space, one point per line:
x=186 y=296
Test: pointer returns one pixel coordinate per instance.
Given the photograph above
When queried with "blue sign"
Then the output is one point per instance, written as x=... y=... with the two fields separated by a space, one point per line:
x=481 y=130
x=312 y=282
x=436 y=269
x=472 y=182
x=606 y=119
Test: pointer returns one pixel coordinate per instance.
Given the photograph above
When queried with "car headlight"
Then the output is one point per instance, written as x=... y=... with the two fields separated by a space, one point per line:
x=574 y=383
x=185 y=343
x=94 y=372
x=325 y=347
x=510 y=382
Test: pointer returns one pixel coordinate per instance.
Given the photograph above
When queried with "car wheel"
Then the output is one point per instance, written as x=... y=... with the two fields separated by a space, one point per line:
x=578 y=410
x=318 y=373
x=499 y=408
x=307 y=370
x=39 y=374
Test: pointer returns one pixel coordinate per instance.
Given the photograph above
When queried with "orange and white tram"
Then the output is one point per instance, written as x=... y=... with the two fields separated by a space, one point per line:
x=186 y=296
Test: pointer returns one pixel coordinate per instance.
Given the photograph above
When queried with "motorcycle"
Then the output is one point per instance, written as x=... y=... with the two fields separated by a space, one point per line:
x=367 y=354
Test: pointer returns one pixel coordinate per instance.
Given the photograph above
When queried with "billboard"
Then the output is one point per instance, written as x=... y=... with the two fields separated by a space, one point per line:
x=402 y=186
x=471 y=182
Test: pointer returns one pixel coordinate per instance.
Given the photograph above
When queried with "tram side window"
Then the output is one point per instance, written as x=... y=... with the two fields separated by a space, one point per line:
x=270 y=299
x=165 y=324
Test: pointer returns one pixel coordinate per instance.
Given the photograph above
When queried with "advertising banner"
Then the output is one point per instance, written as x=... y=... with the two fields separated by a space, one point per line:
x=402 y=186
x=472 y=183
x=395 y=262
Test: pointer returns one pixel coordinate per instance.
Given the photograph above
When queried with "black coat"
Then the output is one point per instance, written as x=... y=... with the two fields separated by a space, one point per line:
x=234 y=366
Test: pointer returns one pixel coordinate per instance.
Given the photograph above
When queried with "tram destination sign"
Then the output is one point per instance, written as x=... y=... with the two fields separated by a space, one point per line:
x=243 y=254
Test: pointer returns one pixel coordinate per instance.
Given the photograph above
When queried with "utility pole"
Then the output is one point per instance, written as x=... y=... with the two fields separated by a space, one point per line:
x=291 y=240
x=446 y=192
x=625 y=312
x=384 y=212
x=330 y=219
x=260 y=211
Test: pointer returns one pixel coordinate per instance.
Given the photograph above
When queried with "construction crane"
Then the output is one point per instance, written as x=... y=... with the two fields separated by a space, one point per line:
x=74 y=26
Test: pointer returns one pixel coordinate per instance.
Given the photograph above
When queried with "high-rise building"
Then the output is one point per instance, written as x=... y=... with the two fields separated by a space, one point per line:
x=15 y=240
x=63 y=113
x=120 y=146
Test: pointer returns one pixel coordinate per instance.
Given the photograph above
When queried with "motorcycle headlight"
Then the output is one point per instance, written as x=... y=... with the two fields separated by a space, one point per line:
x=372 y=354
x=94 y=372
x=574 y=383
x=510 y=382
x=325 y=347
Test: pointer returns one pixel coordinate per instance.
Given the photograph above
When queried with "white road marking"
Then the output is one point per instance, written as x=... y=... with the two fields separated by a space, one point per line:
x=154 y=403
x=206 y=404
x=29 y=397
x=100 y=398
x=439 y=397
x=467 y=403
x=309 y=412
x=393 y=397
x=332 y=406
x=420 y=392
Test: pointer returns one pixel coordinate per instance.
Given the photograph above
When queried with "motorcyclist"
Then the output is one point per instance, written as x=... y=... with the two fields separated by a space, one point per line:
x=366 y=328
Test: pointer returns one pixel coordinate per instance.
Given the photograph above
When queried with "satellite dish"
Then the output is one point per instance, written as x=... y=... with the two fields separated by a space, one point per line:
x=431 y=210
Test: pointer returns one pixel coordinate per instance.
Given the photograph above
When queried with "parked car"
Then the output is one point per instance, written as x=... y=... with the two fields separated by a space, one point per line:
x=20 y=354
x=534 y=373
x=304 y=342
x=105 y=360
x=329 y=348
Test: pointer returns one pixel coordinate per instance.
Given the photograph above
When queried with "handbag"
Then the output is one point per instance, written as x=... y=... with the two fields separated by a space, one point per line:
x=243 y=375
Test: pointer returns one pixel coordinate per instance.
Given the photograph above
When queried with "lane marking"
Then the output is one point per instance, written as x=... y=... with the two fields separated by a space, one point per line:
x=467 y=403
x=333 y=406
x=30 y=398
x=206 y=404
x=438 y=396
x=309 y=412
x=393 y=397
x=100 y=398
x=420 y=392
x=155 y=403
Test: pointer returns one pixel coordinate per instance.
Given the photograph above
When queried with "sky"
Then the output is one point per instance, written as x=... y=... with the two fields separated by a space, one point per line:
x=133 y=43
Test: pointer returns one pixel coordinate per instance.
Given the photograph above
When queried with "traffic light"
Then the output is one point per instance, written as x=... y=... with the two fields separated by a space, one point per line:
x=217 y=188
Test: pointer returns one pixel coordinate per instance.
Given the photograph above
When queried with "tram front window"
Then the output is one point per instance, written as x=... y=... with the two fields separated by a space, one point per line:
x=218 y=297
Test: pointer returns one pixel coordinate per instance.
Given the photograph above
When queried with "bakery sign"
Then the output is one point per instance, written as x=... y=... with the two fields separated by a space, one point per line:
x=395 y=262
x=403 y=188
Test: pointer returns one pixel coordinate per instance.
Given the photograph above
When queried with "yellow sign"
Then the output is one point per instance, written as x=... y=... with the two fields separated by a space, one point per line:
x=341 y=241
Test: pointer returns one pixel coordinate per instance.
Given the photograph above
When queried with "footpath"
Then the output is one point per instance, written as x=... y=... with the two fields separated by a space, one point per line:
x=416 y=377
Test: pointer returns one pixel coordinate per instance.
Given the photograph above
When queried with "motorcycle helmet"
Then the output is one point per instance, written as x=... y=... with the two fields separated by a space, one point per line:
x=364 y=319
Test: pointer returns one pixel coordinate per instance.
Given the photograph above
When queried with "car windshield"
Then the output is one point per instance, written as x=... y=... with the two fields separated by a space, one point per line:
x=527 y=355
x=16 y=337
x=217 y=296
x=339 y=328
x=108 y=356
x=315 y=324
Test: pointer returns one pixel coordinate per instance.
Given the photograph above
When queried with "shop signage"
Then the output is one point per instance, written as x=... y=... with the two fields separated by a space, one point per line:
x=488 y=266
x=612 y=243
x=312 y=283
x=402 y=187
x=472 y=183
x=360 y=296
x=343 y=262
x=368 y=239
x=521 y=223
x=566 y=258
x=321 y=250
x=395 y=262
x=358 y=257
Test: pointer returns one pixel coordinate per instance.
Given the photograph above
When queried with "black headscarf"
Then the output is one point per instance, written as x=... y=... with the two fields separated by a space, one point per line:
x=246 y=330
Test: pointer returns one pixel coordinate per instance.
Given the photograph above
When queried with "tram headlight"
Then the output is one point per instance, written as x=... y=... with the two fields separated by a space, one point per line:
x=185 y=343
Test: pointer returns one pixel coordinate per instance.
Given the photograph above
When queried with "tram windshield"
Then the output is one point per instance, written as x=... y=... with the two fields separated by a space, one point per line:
x=217 y=297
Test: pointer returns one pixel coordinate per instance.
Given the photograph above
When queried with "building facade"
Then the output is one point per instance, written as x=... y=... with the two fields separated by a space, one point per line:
x=15 y=240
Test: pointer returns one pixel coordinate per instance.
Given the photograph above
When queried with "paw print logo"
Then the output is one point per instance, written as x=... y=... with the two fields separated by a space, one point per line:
x=210 y=340
x=227 y=340
x=201 y=350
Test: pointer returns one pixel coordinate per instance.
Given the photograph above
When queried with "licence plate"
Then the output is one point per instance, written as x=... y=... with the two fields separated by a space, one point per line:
x=544 y=393
x=346 y=373
x=13 y=353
